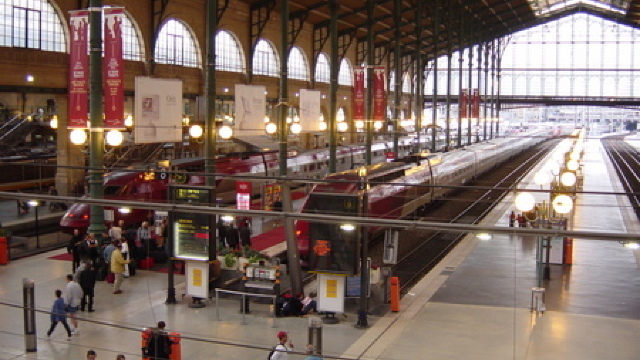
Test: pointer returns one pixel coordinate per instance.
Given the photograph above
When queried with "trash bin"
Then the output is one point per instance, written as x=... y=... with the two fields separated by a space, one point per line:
x=4 y=250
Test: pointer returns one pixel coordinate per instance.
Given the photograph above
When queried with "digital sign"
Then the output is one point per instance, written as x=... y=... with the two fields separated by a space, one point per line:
x=191 y=230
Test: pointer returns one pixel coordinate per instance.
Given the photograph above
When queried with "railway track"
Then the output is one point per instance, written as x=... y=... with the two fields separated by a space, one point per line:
x=420 y=251
x=626 y=160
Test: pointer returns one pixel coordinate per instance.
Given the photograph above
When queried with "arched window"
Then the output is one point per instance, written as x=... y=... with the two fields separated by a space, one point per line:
x=297 y=64
x=131 y=48
x=264 y=59
x=32 y=24
x=176 y=45
x=228 y=53
x=406 y=84
x=345 y=72
x=322 y=68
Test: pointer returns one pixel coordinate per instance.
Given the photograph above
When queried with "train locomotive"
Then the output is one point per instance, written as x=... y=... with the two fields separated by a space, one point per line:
x=152 y=186
x=392 y=191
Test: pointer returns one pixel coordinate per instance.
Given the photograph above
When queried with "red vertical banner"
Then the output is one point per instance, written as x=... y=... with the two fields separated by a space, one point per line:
x=379 y=93
x=78 y=70
x=462 y=103
x=113 y=68
x=475 y=105
x=358 y=93
x=243 y=195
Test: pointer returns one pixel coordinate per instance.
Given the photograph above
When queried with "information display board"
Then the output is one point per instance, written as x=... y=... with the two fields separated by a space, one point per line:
x=334 y=247
x=191 y=230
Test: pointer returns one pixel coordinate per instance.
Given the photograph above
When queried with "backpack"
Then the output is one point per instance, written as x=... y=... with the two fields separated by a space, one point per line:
x=273 y=349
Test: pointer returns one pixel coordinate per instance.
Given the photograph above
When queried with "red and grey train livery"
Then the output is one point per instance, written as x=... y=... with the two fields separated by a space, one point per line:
x=392 y=191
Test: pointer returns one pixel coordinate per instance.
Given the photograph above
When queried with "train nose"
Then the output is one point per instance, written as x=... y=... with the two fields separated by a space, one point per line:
x=77 y=217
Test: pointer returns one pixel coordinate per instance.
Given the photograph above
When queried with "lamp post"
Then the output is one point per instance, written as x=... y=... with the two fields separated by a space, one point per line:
x=35 y=204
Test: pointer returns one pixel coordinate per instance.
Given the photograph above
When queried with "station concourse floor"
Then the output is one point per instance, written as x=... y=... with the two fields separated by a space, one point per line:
x=474 y=305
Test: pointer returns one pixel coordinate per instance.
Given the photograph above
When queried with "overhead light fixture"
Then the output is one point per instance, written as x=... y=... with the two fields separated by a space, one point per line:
x=78 y=136
x=114 y=137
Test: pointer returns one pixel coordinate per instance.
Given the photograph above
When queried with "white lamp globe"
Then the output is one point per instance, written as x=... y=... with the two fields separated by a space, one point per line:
x=343 y=126
x=195 y=131
x=271 y=128
x=359 y=124
x=296 y=128
x=572 y=165
x=562 y=204
x=377 y=125
x=568 y=179
x=322 y=126
x=114 y=137
x=54 y=122
x=225 y=132
x=78 y=136
x=525 y=201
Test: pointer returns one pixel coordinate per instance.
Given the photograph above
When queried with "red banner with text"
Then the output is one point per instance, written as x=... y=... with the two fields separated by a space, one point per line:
x=379 y=93
x=358 y=93
x=78 y=70
x=475 y=105
x=463 y=103
x=113 y=68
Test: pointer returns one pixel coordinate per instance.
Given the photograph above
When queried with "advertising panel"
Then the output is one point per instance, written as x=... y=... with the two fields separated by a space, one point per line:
x=113 y=68
x=358 y=93
x=158 y=110
x=379 y=93
x=78 y=70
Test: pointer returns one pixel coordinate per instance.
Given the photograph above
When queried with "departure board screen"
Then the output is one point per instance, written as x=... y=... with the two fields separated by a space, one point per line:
x=191 y=230
x=191 y=235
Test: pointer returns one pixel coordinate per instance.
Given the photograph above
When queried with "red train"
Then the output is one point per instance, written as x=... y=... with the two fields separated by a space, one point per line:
x=152 y=186
x=391 y=191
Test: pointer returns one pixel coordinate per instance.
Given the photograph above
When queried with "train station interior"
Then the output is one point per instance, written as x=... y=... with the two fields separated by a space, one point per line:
x=259 y=115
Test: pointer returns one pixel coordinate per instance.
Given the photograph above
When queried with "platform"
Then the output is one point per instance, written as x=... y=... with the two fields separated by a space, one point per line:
x=474 y=305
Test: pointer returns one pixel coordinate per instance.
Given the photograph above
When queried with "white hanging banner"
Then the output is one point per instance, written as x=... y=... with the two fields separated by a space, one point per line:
x=310 y=109
x=158 y=110
x=251 y=105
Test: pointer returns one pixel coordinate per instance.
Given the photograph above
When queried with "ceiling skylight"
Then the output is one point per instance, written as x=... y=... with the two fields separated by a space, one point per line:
x=546 y=7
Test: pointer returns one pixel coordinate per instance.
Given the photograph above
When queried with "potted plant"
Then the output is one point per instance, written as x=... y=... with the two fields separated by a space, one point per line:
x=229 y=260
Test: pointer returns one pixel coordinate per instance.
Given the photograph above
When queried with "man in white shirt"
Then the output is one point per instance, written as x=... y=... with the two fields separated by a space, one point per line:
x=115 y=233
x=280 y=351
x=72 y=297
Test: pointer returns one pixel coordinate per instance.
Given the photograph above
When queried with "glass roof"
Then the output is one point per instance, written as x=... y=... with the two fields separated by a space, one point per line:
x=545 y=7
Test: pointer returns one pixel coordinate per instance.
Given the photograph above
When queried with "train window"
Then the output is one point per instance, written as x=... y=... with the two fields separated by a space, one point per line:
x=111 y=190
x=312 y=167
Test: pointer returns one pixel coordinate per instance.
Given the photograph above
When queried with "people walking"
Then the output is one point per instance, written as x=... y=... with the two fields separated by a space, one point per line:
x=280 y=351
x=58 y=314
x=72 y=297
x=117 y=267
x=87 y=283
x=512 y=219
x=91 y=355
